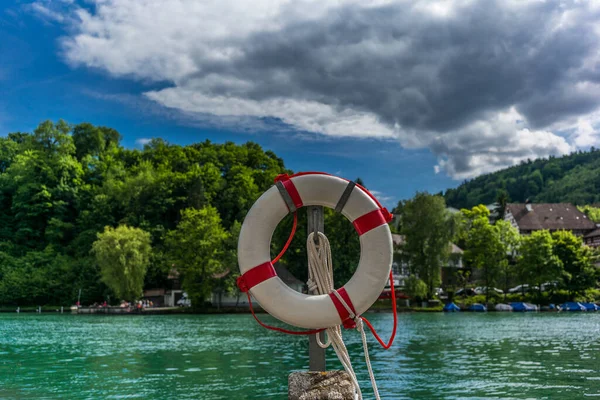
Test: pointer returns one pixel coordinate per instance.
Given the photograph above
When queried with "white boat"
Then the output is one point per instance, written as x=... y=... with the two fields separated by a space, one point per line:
x=503 y=307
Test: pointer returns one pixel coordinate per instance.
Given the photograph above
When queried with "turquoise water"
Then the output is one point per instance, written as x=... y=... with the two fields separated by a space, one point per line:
x=436 y=356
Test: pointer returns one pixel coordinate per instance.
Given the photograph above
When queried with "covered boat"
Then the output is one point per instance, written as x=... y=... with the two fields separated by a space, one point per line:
x=478 y=307
x=503 y=307
x=572 y=306
x=451 y=307
x=522 y=307
x=590 y=306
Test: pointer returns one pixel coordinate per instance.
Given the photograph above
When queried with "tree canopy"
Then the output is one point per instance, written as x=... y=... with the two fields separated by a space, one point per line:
x=196 y=248
x=123 y=255
x=571 y=179
x=428 y=229
x=61 y=185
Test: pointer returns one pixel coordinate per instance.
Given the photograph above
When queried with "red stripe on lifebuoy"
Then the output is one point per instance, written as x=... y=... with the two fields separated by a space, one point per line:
x=291 y=189
x=256 y=275
x=371 y=220
x=344 y=315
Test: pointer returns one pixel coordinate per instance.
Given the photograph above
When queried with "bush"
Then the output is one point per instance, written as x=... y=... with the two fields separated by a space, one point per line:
x=590 y=295
x=415 y=288
x=467 y=302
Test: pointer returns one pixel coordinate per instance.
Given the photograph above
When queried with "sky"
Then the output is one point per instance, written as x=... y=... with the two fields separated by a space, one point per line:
x=407 y=95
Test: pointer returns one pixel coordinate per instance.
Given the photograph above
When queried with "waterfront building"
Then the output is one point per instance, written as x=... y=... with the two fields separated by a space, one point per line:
x=401 y=270
x=528 y=217
x=592 y=239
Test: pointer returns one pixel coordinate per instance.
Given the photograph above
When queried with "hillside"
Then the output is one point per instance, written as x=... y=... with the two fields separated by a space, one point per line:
x=574 y=178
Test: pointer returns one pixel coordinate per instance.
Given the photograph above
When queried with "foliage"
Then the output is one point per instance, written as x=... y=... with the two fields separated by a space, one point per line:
x=593 y=213
x=123 y=255
x=572 y=179
x=466 y=302
x=196 y=249
x=579 y=272
x=61 y=185
x=415 y=288
x=510 y=240
x=483 y=249
x=537 y=263
x=428 y=229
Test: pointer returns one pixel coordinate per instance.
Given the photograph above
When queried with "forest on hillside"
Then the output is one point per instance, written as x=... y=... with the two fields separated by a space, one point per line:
x=62 y=185
x=573 y=178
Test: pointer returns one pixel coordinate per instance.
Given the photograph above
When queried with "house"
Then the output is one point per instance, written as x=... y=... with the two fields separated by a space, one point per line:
x=221 y=298
x=169 y=295
x=530 y=217
x=400 y=269
x=174 y=291
x=592 y=239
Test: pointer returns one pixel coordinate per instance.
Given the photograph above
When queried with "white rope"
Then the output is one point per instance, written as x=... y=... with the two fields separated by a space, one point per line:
x=320 y=281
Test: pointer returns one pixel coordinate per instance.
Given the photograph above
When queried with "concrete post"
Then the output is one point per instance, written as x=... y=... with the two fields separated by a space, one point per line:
x=331 y=385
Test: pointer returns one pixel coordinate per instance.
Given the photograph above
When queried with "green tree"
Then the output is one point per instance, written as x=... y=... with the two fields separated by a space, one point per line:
x=503 y=199
x=123 y=255
x=60 y=185
x=415 y=288
x=537 y=263
x=510 y=240
x=579 y=272
x=196 y=247
x=428 y=228
x=593 y=213
x=484 y=249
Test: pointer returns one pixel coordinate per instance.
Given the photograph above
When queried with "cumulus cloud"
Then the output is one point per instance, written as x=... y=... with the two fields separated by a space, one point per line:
x=482 y=84
x=142 y=141
x=383 y=198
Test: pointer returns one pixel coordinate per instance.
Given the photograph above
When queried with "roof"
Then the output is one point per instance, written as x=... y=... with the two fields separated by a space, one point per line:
x=223 y=274
x=173 y=273
x=154 y=292
x=286 y=276
x=456 y=249
x=593 y=233
x=552 y=216
x=397 y=239
x=400 y=240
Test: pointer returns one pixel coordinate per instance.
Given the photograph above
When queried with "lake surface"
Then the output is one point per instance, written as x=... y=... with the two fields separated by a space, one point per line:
x=436 y=356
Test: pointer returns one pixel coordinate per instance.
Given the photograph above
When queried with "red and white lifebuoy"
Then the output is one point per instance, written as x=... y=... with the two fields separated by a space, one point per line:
x=315 y=311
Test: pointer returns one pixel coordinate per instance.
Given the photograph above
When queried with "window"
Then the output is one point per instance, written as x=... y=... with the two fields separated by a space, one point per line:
x=395 y=268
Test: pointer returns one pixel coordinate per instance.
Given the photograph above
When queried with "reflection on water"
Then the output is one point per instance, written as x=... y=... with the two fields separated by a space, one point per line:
x=436 y=356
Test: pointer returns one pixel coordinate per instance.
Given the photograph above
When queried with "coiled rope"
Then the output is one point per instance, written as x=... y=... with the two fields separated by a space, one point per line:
x=320 y=281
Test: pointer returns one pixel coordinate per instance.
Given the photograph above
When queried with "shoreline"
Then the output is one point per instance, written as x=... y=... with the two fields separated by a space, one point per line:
x=116 y=311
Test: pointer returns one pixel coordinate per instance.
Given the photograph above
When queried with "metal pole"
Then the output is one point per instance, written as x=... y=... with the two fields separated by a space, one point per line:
x=316 y=354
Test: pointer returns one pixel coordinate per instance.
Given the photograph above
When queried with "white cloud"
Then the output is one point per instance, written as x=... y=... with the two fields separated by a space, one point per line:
x=387 y=201
x=489 y=144
x=303 y=115
x=142 y=141
x=44 y=11
x=481 y=96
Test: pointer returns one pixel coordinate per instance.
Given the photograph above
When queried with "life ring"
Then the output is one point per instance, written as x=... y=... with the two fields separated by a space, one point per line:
x=315 y=311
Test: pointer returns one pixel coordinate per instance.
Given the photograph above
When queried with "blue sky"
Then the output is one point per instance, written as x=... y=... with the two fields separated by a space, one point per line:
x=409 y=96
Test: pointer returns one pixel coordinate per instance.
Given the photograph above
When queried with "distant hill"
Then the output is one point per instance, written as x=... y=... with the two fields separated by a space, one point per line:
x=574 y=178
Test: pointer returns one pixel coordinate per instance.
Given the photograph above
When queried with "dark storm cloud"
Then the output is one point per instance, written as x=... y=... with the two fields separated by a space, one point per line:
x=482 y=84
x=426 y=72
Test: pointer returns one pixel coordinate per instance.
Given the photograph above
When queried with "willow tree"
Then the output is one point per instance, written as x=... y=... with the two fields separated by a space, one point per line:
x=123 y=255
